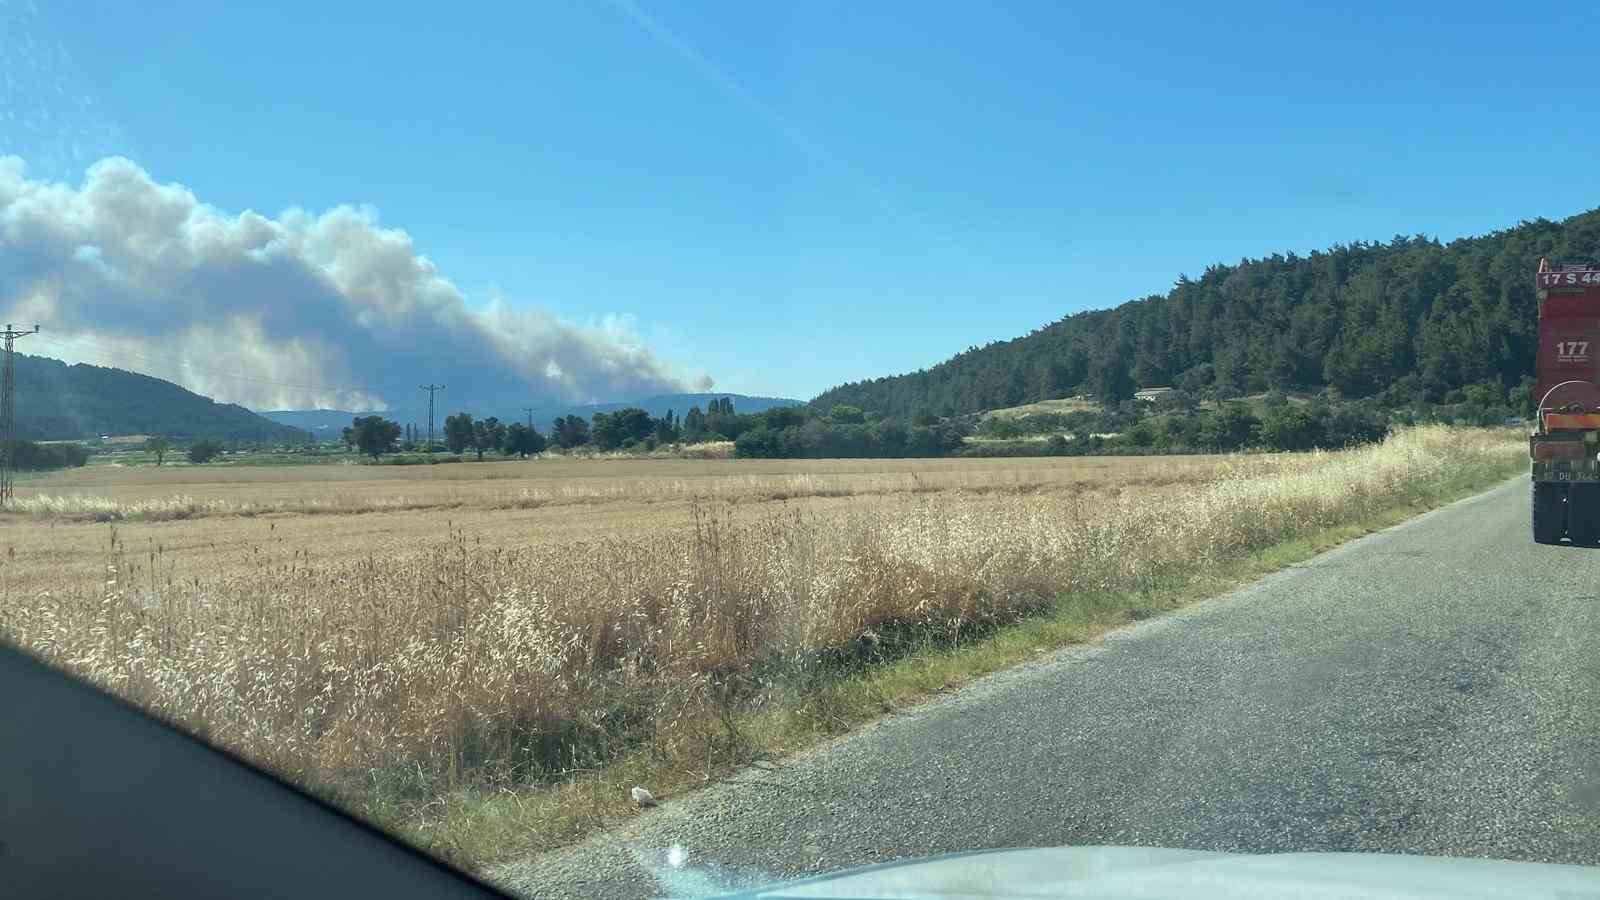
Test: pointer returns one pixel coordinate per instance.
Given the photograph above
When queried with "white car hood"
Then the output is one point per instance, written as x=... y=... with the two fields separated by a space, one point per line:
x=1151 y=873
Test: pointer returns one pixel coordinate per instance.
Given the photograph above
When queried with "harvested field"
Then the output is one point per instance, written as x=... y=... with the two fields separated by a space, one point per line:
x=150 y=492
x=206 y=521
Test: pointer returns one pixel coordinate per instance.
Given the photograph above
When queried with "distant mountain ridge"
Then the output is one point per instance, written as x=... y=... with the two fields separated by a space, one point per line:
x=56 y=401
x=330 y=422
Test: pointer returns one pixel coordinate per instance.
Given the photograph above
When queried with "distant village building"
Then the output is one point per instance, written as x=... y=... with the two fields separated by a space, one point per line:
x=1151 y=395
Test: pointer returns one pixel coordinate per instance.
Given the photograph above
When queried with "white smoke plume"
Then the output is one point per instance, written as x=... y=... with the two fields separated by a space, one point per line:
x=295 y=312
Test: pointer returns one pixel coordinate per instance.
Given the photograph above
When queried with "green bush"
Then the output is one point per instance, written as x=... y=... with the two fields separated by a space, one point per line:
x=1288 y=428
x=202 y=452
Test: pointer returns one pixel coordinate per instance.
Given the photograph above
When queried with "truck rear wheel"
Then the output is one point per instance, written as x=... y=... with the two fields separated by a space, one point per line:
x=1549 y=512
x=1583 y=513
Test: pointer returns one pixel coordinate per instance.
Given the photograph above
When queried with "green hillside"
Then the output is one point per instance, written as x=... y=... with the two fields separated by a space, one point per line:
x=56 y=401
x=1409 y=322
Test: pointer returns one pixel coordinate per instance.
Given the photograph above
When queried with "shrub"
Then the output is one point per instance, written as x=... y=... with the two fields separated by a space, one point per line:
x=201 y=452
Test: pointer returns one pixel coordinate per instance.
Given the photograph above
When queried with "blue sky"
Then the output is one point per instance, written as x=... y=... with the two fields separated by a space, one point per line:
x=792 y=195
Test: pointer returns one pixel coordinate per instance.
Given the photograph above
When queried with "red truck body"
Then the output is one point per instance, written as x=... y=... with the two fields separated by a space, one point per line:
x=1569 y=325
x=1564 y=447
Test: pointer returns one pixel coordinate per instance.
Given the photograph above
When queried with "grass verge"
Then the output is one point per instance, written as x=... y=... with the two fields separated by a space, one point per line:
x=478 y=828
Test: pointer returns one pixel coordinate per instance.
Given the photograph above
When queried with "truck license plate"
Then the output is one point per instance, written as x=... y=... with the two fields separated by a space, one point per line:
x=1563 y=475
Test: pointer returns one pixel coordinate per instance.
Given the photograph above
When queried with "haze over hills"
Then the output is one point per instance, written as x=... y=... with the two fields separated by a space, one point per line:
x=56 y=401
x=324 y=421
x=1408 y=322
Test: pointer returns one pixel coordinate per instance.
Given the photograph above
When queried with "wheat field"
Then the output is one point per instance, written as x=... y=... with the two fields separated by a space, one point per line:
x=375 y=632
x=203 y=521
x=149 y=493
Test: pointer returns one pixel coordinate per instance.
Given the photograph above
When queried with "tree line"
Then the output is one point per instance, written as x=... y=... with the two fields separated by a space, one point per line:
x=1407 y=323
x=199 y=452
x=777 y=432
x=375 y=436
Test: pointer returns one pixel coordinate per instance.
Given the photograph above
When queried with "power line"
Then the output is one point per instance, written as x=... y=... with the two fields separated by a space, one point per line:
x=8 y=414
x=430 y=388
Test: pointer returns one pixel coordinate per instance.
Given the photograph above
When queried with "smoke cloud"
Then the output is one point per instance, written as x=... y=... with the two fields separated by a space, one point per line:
x=296 y=312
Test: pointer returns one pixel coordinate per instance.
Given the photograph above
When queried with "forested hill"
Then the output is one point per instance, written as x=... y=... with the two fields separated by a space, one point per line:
x=56 y=401
x=1406 y=322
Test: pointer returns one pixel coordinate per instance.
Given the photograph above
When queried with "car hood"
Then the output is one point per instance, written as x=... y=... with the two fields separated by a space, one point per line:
x=1149 y=873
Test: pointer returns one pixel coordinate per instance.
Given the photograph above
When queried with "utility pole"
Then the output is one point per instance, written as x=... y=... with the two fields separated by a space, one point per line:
x=530 y=417
x=8 y=415
x=430 y=388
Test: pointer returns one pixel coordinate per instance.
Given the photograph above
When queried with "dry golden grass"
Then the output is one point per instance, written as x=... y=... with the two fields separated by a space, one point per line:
x=394 y=664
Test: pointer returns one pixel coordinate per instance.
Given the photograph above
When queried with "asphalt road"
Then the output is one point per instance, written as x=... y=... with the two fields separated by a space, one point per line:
x=1434 y=688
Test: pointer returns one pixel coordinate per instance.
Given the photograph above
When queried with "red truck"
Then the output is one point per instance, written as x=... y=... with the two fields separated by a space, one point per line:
x=1566 y=474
